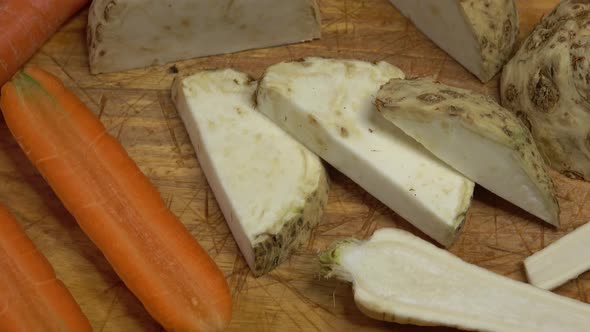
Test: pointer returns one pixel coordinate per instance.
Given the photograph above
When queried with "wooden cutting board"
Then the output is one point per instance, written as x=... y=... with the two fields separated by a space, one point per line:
x=136 y=108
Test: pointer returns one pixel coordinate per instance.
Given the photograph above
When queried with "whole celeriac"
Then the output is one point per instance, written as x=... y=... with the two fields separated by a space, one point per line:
x=127 y=34
x=476 y=136
x=479 y=34
x=401 y=278
x=270 y=188
x=547 y=84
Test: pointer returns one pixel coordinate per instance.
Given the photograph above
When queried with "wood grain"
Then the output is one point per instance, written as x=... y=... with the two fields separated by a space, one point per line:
x=136 y=107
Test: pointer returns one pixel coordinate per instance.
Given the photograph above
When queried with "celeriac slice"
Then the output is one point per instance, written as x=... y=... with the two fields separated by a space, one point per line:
x=561 y=261
x=401 y=278
x=476 y=136
x=327 y=104
x=270 y=188
x=127 y=34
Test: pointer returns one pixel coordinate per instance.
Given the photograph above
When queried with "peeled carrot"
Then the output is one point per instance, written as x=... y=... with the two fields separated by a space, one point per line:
x=32 y=299
x=115 y=204
x=25 y=25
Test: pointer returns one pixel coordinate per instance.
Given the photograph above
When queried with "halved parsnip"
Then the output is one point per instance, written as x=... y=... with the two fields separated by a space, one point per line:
x=476 y=136
x=327 y=104
x=270 y=188
x=561 y=261
x=401 y=278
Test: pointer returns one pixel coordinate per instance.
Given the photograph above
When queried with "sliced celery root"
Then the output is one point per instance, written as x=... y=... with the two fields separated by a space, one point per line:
x=561 y=261
x=271 y=189
x=401 y=278
x=328 y=105
x=476 y=136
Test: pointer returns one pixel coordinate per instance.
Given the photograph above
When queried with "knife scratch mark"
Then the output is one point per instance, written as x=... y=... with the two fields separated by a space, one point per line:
x=524 y=243
x=110 y=310
x=170 y=129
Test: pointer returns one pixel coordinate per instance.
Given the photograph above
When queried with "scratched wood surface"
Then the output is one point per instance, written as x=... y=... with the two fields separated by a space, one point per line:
x=137 y=109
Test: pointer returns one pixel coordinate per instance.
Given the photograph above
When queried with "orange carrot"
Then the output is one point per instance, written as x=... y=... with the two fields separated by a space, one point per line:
x=26 y=25
x=31 y=297
x=115 y=204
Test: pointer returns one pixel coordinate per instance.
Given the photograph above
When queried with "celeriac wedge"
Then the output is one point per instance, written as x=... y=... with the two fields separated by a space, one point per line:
x=401 y=278
x=476 y=136
x=561 y=261
x=270 y=188
x=480 y=35
x=127 y=34
x=327 y=104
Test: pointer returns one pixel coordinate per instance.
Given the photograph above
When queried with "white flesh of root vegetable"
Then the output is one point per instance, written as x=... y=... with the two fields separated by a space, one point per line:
x=270 y=188
x=328 y=105
x=479 y=34
x=476 y=136
x=561 y=261
x=401 y=278
x=127 y=34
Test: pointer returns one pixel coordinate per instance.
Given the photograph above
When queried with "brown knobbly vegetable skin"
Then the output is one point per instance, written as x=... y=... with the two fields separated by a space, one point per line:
x=547 y=84
x=431 y=98
x=495 y=24
x=543 y=90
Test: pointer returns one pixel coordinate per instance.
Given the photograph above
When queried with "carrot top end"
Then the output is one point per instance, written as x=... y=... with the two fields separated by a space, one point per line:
x=29 y=89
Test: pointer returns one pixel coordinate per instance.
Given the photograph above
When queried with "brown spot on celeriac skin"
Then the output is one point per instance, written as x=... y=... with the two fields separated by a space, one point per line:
x=452 y=93
x=506 y=30
x=511 y=93
x=573 y=175
x=254 y=101
x=344 y=132
x=454 y=110
x=538 y=40
x=312 y=120
x=544 y=92
x=576 y=60
x=430 y=98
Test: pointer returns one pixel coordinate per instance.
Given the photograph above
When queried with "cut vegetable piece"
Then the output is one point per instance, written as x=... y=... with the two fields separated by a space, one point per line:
x=327 y=105
x=480 y=35
x=271 y=189
x=476 y=136
x=115 y=204
x=547 y=84
x=561 y=261
x=401 y=278
x=32 y=298
x=127 y=34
